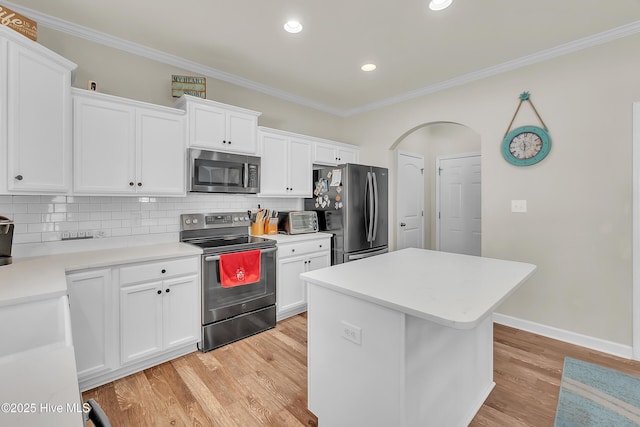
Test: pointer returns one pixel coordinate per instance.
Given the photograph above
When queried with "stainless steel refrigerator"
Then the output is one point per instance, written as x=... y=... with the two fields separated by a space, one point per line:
x=352 y=203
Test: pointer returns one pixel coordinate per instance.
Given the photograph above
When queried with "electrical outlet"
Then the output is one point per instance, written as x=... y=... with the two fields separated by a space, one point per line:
x=519 y=206
x=89 y=234
x=65 y=235
x=351 y=332
x=73 y=235
x=81 y=234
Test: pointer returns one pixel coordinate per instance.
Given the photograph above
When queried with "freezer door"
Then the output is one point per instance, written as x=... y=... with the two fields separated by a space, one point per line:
x=356 y=200
x=381 y=213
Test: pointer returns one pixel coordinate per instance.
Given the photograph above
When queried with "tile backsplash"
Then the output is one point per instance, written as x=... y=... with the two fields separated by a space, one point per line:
x=41 y=220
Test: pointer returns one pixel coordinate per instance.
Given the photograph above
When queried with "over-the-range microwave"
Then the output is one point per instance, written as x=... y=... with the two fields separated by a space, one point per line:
x=218 y=172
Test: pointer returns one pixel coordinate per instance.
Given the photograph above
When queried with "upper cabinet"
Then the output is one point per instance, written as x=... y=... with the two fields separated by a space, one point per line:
x=127 y=147
x=332 y=153
x=35 y=116
x=286 y=168
x=220 y=127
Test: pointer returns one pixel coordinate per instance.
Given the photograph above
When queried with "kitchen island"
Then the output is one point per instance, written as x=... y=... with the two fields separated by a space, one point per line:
x=405 y=338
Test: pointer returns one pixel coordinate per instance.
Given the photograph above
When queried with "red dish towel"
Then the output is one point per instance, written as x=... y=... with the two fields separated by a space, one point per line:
x=240 y=268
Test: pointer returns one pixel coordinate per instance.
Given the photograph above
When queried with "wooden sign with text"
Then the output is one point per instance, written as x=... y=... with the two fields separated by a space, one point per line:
x=19 y=23
x=194 y=86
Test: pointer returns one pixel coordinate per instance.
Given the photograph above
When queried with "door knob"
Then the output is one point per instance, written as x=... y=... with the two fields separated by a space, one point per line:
x=402 y=224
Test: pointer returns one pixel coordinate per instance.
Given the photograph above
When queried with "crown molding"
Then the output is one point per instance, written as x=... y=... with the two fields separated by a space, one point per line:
x=89 y=34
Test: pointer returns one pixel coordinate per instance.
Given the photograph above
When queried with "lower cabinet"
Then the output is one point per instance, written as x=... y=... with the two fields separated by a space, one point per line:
x=158 y=316
x=294 y=259
x=128 y=318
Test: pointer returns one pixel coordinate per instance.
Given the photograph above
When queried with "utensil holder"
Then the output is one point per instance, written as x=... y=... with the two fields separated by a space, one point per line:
x=257 y=228
x=271 y=226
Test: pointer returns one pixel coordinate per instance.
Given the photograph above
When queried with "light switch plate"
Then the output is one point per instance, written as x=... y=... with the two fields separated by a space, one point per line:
x=519 y=206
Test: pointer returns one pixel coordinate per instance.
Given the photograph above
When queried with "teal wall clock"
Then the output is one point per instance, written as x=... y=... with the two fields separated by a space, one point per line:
x=526 y=145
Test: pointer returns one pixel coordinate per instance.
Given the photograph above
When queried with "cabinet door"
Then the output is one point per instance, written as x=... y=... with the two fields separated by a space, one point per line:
x=347 y=155
x=241 y=132
x=181 y=311
x=104 y=147
x=318 y=260
x=207 y=127
x=94 y=336
x=325 y=154
x=300 y=168
x=140 y=321
x=291 y=291
x=273 y=176
x=160 y=152
x=39 y=122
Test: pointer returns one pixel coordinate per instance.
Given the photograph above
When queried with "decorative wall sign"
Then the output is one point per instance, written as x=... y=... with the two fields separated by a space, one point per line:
x=19 y=23
x=526 y=145
x=187 y=85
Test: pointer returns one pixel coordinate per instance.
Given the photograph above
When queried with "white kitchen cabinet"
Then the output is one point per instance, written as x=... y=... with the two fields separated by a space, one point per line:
x=294 y=259
x=158 y=315
x=35 y=114
x=93 y=322
x=332 y=154
x=127 y=147
x=220 y=127
x=286 y=168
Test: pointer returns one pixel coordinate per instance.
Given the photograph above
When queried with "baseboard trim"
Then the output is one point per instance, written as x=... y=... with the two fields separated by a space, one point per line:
x=609 y=347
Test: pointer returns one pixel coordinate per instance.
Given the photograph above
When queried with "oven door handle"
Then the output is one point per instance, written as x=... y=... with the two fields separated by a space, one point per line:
x=217 y=257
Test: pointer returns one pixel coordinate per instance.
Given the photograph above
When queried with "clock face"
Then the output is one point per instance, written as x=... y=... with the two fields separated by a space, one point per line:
x=526 y=145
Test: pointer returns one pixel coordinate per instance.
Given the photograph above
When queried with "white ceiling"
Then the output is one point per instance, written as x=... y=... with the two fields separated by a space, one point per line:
x=416 y=50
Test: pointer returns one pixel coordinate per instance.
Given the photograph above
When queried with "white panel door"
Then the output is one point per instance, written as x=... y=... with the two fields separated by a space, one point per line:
x=410 y=201
x=241 y=132
x=104 y=147
x=207 y=127
x=291 y=289
x=140 y=321
x=460 y=217
x=273 y=174
x=180 y=311
x=300 y=169
x=161 y=154
x=39 y=122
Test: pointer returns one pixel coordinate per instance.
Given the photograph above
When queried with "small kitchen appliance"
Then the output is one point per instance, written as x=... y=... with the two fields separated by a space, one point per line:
x=6 y=240
x=298 y=222
x=231 y=313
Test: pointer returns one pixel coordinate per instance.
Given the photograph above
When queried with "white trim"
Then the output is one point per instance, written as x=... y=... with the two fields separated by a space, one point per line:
x=86 y=33
x=636 y=231
x=598 y=344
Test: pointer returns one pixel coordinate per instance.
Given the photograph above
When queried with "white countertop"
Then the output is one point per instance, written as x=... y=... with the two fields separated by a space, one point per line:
x=292 y=238
x=31 y=279
x=449 y=289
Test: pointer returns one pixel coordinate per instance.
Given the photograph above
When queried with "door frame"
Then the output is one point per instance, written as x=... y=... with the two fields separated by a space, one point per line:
x=418 y=156
x=636 y=233
x=437 y=181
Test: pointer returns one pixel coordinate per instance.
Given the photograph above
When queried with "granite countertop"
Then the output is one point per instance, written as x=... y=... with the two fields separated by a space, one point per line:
x=453 y=290
x=31 y=279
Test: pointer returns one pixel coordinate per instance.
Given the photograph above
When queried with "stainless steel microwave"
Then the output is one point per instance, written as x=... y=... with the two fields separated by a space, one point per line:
x=218 y=172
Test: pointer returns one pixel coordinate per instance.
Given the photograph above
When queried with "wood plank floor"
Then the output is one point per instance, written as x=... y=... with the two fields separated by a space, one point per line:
x=261 y=381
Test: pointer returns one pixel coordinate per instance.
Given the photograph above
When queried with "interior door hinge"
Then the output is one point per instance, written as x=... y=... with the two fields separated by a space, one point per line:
x=421 y=171
x=439 y=171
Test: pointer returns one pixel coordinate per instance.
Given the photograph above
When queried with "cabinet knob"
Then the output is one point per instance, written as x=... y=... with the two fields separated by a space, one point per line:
x=229 y=142
x=320 y=245
x=163 y=271
x=293 y=250
x=131 y=184
x=159 y=291
x=224 y=142
x=168 y=290
x=19 y=177
x=139 y=184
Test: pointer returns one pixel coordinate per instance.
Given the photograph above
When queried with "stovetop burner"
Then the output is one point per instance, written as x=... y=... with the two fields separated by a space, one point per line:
x=220 y=232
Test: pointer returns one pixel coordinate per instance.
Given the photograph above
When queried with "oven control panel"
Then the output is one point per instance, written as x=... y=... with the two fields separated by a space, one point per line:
x=214 y=220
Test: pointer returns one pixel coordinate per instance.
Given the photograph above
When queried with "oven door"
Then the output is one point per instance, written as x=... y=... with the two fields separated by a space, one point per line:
x=220 y=303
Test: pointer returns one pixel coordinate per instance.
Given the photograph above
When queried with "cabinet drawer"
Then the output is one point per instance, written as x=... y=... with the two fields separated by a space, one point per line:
x=300 y=248
x=159 y=270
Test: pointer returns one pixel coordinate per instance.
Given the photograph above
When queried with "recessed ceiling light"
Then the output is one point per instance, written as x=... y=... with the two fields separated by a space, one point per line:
x=368 y=67
x=439 y=4
x=293 y=27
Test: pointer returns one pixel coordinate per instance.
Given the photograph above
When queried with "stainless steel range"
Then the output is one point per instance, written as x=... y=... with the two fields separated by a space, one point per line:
x=231 y=313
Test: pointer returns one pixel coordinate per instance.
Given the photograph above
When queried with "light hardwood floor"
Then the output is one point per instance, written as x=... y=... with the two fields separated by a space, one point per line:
x=262 y=381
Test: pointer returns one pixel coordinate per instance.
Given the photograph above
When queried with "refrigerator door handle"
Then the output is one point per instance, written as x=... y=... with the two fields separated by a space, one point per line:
x=376 y=207
x=371 y=207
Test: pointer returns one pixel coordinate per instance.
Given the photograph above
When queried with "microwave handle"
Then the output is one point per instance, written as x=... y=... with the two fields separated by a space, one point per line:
x=245 y=175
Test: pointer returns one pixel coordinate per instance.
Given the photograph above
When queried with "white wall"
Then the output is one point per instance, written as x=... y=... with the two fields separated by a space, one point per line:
x=578 y=227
